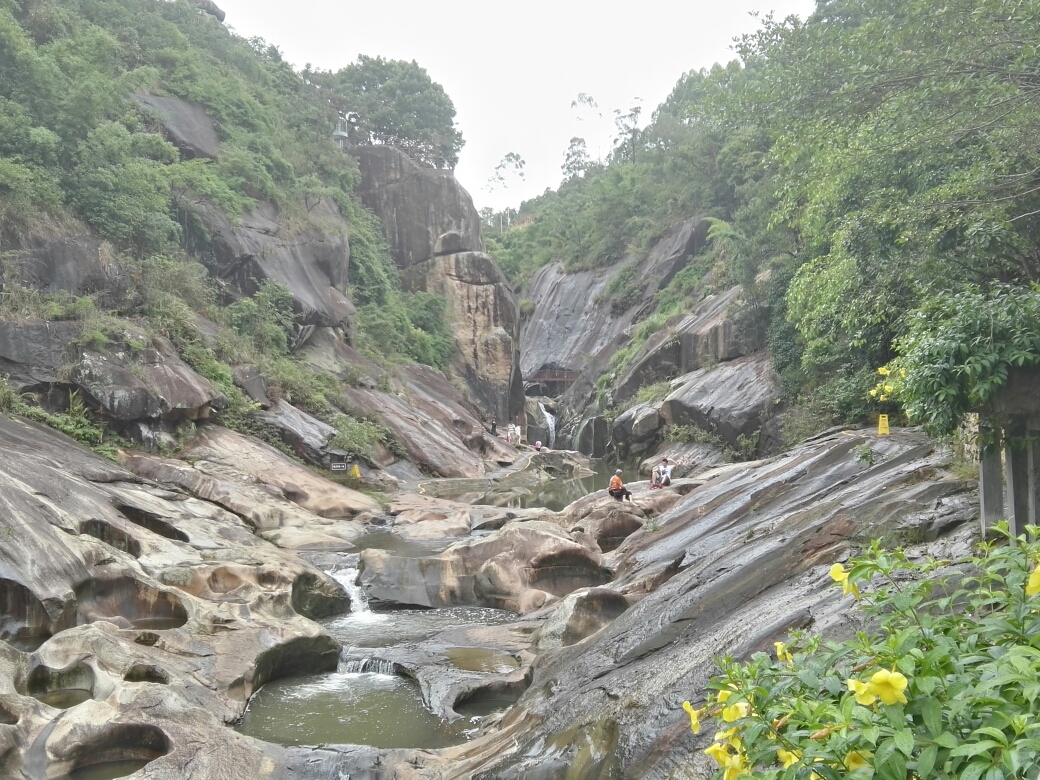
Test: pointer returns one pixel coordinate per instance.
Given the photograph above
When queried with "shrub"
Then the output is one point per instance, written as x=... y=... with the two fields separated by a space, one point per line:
x=944 y=685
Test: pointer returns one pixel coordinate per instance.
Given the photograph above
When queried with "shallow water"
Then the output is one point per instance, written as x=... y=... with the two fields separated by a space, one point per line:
x=64 y=698
x=480 y=659
x=107 y=771
x=382 y=710
x=556 y=494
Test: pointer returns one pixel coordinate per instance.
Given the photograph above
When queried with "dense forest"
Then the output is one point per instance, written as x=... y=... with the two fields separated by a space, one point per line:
x=873 y=176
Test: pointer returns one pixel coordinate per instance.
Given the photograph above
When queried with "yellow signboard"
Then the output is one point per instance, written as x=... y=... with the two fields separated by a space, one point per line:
x=356 y=472
x=882 y=425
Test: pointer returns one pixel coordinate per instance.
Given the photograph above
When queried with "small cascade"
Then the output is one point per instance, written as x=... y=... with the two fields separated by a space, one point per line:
x=367 y=665
x=550 y=423
x=347 y=577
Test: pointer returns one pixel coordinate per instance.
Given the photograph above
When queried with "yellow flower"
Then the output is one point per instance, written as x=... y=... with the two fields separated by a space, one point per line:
x=858 y=760
x=735 y=711
x=788 y=757
x=1033 y=586
x=874 y=392
x=838 y=574
x=729 y=736
x=723 y=695
x=695 y=717
x=862 y=691
x=902 y=373
x=888 y=686
x=884 y=397
x=719 y=752
x=782 y=653
x=889 y=388
x=883 y=371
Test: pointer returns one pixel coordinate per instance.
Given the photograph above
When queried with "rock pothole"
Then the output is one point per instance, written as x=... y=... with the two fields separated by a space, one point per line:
x=130 y=601
x=146 y=673
x=112 y=536
x=151 y=522
x=113 y=748
x=61 y=688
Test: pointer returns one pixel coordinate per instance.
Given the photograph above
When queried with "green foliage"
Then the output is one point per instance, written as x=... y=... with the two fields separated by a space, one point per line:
x=359 y=436
x=266 y=318
x=942 y=685
x=958 y=350
x=393 y=102
x=653 y=393
x=413 y=326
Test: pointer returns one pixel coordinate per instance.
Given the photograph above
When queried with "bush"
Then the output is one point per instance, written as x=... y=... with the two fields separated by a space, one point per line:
x=944 y=685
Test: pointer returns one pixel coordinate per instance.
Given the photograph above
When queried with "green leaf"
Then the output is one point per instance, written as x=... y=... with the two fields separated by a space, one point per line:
x=974 y=748
x=973 y=771
x=947 y=740
x=893 y=768
x=905 y=742
x=926 y=761
x=931 y=713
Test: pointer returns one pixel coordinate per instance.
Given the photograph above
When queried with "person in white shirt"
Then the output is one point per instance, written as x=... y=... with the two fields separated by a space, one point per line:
x=661 y=476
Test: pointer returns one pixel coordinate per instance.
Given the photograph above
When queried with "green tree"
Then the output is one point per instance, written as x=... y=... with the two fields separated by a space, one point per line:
x=393 y=102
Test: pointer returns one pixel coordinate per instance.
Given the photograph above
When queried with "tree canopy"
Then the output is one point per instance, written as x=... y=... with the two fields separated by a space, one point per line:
x=393 y=102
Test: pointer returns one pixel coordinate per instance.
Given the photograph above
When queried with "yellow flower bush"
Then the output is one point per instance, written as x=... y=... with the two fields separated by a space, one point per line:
x=946 y=687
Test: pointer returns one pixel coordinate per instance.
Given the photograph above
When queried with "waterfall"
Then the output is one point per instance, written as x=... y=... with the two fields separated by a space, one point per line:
x=550 y=423
x=347 y=577
x=363 y=665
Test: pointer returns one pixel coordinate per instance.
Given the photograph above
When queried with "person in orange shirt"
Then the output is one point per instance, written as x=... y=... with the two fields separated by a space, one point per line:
x=617 y=489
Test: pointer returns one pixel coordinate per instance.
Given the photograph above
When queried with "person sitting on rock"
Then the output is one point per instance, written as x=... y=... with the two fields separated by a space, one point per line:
x=617 y=489
x=537 y=446
x=661 y=476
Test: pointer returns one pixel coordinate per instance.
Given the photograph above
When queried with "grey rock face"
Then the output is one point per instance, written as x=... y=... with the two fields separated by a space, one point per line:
x=417 y=205
x=307 y=436
x=76 y=263
x=730 y=400
x=33 y=354
x=187 y=125
x=637 y=427
x=312 y=261
x=708 y=334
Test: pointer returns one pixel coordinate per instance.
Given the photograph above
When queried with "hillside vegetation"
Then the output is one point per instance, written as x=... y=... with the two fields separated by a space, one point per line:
x=78 y=154
x=880 y=160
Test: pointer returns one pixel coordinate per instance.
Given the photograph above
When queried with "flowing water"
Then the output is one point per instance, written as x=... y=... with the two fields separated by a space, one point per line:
x=550 y=423
x=365 y=701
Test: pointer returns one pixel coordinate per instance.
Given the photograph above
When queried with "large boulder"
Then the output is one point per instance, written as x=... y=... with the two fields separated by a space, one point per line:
x=311 y=259
x=636 y=428
x=35 y=355
x=522 y=567
x=483 y=313
x=75 y=262
x=307 y=436
x=187 y=125
x=731 y=400
x=417 y=206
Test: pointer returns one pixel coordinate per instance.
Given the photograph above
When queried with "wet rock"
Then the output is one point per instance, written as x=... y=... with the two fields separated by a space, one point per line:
x=688 y=459
x=522 y=567
x=306 y=436
x=731 y=400
x=187 y=125
x=593 y=436
x=297 y=483
x=579 y=615
x=486 y=326
x=417 y=205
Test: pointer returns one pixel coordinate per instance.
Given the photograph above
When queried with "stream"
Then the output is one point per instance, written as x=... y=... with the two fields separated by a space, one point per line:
x=371 y=701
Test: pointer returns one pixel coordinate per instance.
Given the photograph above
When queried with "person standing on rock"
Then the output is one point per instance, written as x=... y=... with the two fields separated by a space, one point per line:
x=494 y=427
x=617 y=489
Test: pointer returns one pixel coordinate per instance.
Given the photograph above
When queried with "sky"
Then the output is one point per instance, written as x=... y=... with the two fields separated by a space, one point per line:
x=513 y=70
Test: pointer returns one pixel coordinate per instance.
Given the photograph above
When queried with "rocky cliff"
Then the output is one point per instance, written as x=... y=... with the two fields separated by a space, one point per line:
x=433 y=231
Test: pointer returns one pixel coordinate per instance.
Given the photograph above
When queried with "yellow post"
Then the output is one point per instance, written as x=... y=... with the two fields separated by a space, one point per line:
x=882 y=425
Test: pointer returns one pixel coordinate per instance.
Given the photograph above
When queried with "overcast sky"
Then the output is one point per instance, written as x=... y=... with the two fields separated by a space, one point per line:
x=513 y=69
